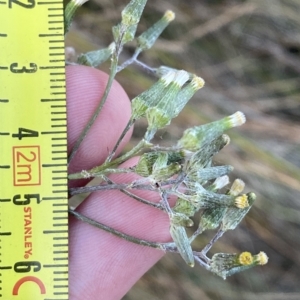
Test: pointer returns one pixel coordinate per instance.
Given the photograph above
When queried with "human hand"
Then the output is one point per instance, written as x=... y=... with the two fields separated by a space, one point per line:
x=103 y=266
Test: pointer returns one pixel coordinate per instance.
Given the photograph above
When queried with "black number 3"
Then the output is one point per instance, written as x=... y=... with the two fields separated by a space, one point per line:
x=13 y=68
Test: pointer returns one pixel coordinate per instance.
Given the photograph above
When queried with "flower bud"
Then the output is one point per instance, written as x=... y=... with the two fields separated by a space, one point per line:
x=165 y=172
x=159 y=165
x=182 y=242
x=163 y=169
x=145 y=164
x=212 y=217
x=181 y=219
x=184 y=95
x=234 y=215
x=96 y=58
x=205 y=174
x=202 y=157
x=185 y=207
x=241 y=201
x=159 y=115
x=150 y=97
x=194 y=138
x=131 y=14
x=208 y=199
x=226 y=264
x=236 y=188
x=123 y=34
x=219 y=183
x=147 y=39
x=261 y=258
x=156 y=160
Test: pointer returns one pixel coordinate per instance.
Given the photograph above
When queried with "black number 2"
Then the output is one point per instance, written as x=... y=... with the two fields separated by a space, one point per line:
x=29 y=4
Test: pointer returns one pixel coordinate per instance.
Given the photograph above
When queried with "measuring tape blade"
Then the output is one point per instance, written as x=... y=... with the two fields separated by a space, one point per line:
x=33 y=153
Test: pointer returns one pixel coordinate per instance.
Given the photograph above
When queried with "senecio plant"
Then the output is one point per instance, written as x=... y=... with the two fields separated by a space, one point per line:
x=184 y=170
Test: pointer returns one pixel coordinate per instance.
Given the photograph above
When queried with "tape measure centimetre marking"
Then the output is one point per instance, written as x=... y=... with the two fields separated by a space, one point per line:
x=33 y=151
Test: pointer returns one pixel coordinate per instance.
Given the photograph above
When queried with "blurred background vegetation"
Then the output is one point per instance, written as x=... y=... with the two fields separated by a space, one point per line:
x=248 y=52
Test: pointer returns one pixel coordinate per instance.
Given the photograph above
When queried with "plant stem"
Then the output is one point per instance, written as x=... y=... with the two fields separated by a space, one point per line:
x=144 y=201
x=130 y=60
x=161 y=148
x=134 y=151
x=146 y=67
x=201 y=262
x=128 y=126
x=122 y=235
x=165 y=202
x=150 y=134
x=106 y=187
x=93 y=188
x=213 y=240
x=169 y=247
x=86 y=174
x=113 y=71
x=195 y=234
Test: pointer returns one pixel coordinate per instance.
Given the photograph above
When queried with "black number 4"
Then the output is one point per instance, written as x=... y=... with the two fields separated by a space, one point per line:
x=23 y=133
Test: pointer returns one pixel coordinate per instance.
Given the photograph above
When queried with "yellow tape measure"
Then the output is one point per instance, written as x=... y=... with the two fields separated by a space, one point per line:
x=33 y=151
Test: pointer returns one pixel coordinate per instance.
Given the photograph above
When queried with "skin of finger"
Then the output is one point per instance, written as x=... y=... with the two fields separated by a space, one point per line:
x=85 y=87
x=106 y=265
x=102 y=264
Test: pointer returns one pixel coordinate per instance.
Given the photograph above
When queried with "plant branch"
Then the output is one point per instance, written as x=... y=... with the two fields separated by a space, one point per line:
x=130 y=60
x=146 y=67
x=213 y=240
x=86 y=174
x=128 y=126
x=169 y=247
x=120 y=234
x=92 y=120
x=144 y=201
x=134 y=151
x=106 y=187
x=201 y=262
